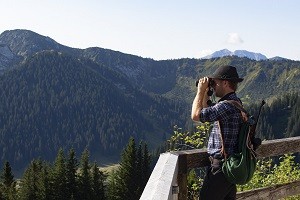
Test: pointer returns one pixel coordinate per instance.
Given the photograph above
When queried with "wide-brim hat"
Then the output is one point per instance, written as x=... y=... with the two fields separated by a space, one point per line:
x=227 y=72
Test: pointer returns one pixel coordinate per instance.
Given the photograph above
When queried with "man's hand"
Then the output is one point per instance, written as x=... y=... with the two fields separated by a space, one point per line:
x=203 y=85
x=200 y=97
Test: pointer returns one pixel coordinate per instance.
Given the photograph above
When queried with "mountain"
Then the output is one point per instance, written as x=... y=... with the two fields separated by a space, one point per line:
x=238 y=53
x=278 y=58
x=218 y=54
x=55 y=96
x=250 y=55
x=25 y=43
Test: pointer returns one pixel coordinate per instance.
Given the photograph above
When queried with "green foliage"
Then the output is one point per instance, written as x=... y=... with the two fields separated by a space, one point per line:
x=129 y=180
x=181 y=140
x=32 y=184
x=112 y=190
x=84 y=177
x=194 y=184
x=98 y=178
x=62 y=180
x=7 y=184
x=269 y=173
x=71 y=190
x=59 y=176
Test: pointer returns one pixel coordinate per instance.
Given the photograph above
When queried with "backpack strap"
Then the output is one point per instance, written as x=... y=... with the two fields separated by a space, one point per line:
x=244 y=116
x=239 y=106
x=236 y=104
x=223 y=152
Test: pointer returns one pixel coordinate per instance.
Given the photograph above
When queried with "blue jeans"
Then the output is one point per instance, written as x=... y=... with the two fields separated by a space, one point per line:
x=216 y=187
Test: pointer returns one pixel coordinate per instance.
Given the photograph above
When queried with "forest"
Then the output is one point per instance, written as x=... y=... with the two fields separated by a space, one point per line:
x=55 y=101
x=70 y=179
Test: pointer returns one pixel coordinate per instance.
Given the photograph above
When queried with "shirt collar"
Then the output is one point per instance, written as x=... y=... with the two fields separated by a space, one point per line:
x=226 y=97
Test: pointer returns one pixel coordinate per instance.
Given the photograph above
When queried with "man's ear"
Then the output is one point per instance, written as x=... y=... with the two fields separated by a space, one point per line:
x=225 y=82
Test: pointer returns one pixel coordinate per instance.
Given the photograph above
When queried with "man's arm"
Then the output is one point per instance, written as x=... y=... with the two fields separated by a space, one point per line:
x=200 y=100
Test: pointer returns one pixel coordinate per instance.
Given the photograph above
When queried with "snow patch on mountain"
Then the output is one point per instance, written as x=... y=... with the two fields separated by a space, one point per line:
x=239 y=53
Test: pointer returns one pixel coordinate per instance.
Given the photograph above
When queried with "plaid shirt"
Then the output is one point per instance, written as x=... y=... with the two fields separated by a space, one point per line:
x=230 y=120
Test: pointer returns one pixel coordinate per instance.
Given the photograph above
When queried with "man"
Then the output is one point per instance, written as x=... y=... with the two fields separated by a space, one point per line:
x=227 y=118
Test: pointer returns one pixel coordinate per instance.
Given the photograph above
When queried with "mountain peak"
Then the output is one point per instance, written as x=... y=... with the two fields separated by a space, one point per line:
x=25 y=42
x=239 y=53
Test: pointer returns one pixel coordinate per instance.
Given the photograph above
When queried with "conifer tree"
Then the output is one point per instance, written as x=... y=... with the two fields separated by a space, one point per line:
x=126 y=186
x=139 y=170
x=45 y=190
x=146 y=170
x=59 y=176
x=29 y=186
x=97 y=183
x=85 y=186
x=143 y=167
x=8 y=184
x=71 y=190
x=112 y=188
x=129 y=180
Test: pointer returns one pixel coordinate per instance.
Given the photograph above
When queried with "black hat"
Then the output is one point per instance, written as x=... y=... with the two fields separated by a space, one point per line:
x=227 y=72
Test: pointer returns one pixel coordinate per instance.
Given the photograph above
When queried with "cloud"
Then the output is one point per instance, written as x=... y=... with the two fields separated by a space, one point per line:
x=234 y=38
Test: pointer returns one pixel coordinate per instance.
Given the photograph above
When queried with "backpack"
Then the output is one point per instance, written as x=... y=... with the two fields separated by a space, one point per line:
x=239 y=167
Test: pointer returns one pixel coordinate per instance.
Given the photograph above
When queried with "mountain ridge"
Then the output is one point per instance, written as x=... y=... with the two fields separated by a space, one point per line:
x=238 y=53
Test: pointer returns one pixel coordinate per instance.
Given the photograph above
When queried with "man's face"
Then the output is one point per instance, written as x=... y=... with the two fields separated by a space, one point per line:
x=218 y=87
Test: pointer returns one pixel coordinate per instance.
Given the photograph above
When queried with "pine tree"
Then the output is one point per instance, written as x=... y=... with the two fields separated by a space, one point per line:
x=44 y=183
x=97 y=183
x=71 y=190
x=126 y=179
x=29 y=186
x=112 y=188
x=8 y=184
x=59 y=176
x=139 y=169
x=143 y=167
x=146 y=172
x=85 y=186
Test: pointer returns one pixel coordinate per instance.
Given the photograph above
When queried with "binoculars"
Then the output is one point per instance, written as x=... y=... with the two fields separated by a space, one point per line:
x=211 y=82
x=210 y=91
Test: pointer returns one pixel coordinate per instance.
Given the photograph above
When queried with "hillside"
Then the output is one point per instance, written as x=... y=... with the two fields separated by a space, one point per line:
x=53 y=101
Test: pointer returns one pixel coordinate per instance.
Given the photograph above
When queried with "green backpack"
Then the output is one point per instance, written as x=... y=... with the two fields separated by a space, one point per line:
x=239 y=167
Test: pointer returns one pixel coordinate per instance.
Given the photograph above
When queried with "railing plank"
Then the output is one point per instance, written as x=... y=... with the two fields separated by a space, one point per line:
x=199 y=157
x=272 y=192
x=279 y=147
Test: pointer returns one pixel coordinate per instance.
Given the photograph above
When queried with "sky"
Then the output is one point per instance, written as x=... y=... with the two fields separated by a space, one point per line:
x=162 y=29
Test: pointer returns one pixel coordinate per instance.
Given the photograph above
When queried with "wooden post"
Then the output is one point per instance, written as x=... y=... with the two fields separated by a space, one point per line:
x=182 y=177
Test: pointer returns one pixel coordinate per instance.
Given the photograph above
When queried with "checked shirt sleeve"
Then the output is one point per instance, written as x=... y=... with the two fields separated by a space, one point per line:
x=219 y=112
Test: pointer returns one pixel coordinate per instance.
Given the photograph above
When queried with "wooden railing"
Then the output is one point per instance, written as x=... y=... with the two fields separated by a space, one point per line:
x=168 y=180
